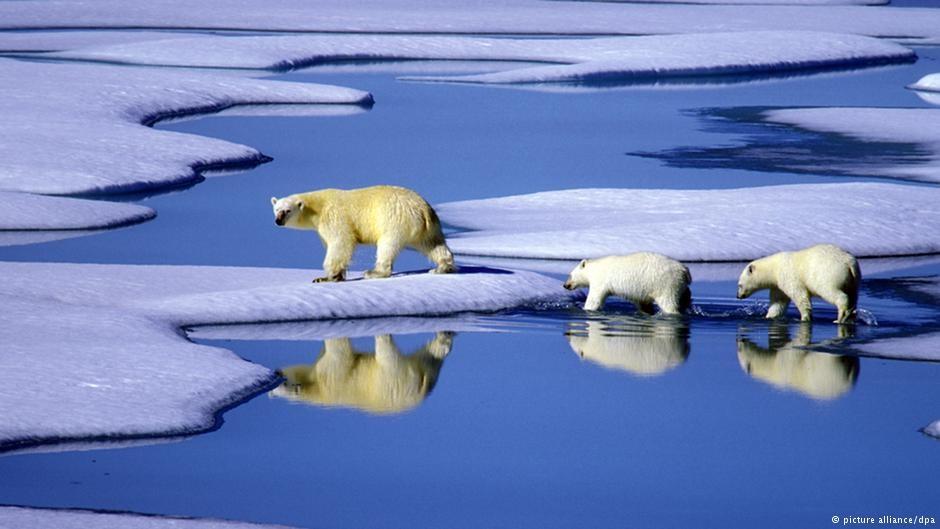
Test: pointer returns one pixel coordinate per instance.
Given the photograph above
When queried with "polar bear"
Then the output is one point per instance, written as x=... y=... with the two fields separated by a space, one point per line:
x=644 y=347
x=792 y=364
x=386 y=382
x=642 y=278
x=389 y=217
x=824 y=271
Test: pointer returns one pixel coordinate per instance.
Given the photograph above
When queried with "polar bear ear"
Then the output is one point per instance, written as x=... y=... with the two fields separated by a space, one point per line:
x=750 y=269
x=583 y=263
x=273 y=200
x=299 y=205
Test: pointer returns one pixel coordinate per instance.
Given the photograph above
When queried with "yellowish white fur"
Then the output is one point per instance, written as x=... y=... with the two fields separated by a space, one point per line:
x=642 y=278
x=390 y=217
x=384 y=382
x=823 y=271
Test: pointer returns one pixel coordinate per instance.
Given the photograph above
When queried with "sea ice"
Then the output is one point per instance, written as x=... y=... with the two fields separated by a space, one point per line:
x=915 y=126
x=24 y=211
x=579 y=59
x=113 y=332
x=933 y=429
x=86 y=135
x=33 y=518
x=517 y=17
x=867 y=219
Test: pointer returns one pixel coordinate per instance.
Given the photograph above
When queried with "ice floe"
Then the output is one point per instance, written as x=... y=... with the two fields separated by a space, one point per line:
x=24 y=211
x=93 y=114
x=914 y=126
x=34 y=518
x=932 y=429
x=476 y=17
x=867 y=219
x=86 y=135
x=928 y=88
x=115 y=331
x=581 y=59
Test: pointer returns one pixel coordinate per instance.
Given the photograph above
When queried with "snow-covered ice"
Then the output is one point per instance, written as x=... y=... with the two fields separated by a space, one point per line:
x=927 y=83
x=113 y=332
x=24 y=211
x=867 y=219
x=932 y=429
x=580 y=59
x=917 y=126
x=472 y=17
x=93 y=115
x=12 y=517
x=86 y=135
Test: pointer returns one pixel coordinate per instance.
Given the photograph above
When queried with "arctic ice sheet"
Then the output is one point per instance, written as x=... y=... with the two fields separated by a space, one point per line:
x=918 y=126
x=867 y=219
x=130 y=371
x=473 y=17
x=33 y=518
x=581 y=59
x=933 y=429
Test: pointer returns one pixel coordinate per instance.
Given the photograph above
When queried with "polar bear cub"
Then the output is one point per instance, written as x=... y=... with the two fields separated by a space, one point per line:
x=390 y=217
x=823 y=271
x=642 y=278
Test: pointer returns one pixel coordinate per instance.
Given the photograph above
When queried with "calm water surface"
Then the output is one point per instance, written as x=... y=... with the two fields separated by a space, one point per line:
x=535 y=418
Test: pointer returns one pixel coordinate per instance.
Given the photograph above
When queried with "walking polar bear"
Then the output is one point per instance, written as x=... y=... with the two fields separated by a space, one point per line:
x=824 y=271
x=390 y=217
x=642 y=278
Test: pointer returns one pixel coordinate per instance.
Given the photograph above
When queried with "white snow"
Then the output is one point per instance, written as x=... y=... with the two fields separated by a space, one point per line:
x=34 y=518
x=471 y=17
x=92 y=114
x=85 y=135
x=96 y=351
x=583 y=59
x=867 y=219
x=925 y=346
x=19 y=42
x=927 y=83
x=933 y=429
x=24 y=211
x=920 y=126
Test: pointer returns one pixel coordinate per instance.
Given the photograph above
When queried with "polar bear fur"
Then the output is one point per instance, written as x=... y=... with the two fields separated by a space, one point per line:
x=647 y=347
x=642 y=278
x=386 y=382
x=390 y=217
x=823 y=271
x=792 y=364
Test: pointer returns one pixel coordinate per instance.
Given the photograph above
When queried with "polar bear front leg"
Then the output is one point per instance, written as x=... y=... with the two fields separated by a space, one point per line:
x=338 y=254
x=386 y=252
x=804 y=305
x=595 y=299
x=778 y=304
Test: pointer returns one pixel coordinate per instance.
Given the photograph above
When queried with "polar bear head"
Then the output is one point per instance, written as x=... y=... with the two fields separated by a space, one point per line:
x=749 y=282
x=578 y=278
x=286 y=210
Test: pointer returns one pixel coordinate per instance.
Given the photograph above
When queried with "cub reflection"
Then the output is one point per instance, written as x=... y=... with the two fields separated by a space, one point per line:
x=385 y=382
x=642 y=346
x=792 y=364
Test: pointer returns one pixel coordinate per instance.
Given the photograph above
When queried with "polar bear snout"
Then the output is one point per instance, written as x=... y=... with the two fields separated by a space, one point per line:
x=279 y=218
x=569 y=285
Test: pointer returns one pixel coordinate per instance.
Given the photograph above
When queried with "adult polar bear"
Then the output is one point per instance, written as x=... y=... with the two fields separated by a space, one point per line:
x=824 y=271
x=389 y=217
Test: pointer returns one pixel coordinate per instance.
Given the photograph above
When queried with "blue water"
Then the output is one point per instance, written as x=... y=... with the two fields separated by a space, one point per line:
x=519 y=429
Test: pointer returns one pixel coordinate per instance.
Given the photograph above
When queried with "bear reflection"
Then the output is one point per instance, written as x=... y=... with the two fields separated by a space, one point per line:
x=641 y=346
x=385 y=382
x=791 y=364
